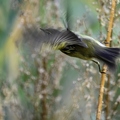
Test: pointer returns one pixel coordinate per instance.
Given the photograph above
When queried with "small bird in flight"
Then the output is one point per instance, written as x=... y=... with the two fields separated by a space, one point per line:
x=72 y=44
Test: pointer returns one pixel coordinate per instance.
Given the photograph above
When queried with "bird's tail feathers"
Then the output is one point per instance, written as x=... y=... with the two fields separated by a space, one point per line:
x=108 y=56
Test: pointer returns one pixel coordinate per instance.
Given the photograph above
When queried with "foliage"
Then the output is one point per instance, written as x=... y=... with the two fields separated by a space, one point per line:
x=51 y=85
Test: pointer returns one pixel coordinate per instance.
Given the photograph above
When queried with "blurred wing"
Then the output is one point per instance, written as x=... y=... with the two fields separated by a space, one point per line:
x=38 y=39
x=67 y=17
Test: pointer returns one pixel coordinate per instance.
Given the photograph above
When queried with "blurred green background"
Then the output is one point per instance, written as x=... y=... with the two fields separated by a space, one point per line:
x=51 y=85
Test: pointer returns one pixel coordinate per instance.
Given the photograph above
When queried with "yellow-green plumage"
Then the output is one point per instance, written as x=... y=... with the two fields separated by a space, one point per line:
x=72 y=44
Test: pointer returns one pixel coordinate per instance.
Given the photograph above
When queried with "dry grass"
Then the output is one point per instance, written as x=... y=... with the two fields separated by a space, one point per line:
x=50 y=85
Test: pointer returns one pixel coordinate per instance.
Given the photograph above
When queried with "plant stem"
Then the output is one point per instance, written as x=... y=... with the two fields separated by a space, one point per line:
x=103 y=75
x=44 y=84
x=99 y=109
x=107 y=110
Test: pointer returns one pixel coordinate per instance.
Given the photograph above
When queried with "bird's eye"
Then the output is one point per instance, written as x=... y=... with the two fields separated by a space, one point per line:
x=68 y=49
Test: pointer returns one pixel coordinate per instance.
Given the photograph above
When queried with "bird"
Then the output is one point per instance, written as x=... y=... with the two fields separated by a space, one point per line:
x=72 y=44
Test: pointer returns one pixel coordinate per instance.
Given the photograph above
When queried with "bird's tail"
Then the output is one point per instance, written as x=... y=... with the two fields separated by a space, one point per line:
x=108 y=56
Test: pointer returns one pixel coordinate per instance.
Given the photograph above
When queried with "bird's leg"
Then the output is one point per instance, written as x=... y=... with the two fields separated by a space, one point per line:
x=98 y=65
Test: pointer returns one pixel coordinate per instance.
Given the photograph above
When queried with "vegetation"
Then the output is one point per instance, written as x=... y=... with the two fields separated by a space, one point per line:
x=51 y=85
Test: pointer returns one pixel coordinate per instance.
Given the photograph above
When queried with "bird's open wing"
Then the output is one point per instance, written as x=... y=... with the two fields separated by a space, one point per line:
x=53 y=38
x=67 y=16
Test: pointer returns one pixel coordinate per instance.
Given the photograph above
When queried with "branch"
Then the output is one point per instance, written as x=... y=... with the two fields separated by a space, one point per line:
x=103 y=75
